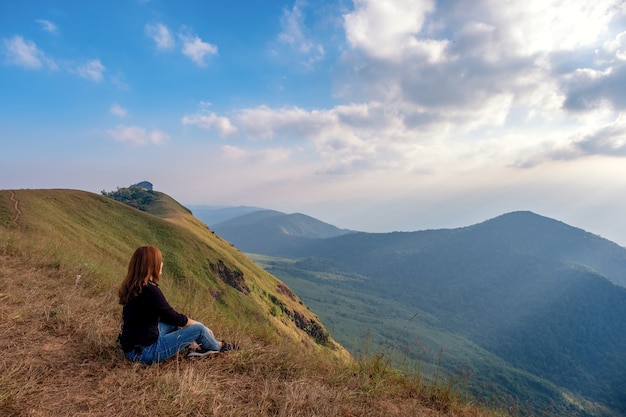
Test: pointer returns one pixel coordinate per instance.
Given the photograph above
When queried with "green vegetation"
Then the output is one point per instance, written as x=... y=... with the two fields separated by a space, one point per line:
x=146 y=200
x=62 y=256
x=527 y=307
x=134 y=196
x=413 y=339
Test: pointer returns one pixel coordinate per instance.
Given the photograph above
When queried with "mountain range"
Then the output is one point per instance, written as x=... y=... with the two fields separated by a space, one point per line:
x=271 y=232
x=530 y=309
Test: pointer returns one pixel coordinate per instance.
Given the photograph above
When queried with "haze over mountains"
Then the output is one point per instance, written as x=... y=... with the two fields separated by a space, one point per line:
x=272 y=232
x=216 y=214
x=534 y=308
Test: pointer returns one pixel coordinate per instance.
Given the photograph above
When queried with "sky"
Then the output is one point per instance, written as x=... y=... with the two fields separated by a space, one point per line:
x=372 y=115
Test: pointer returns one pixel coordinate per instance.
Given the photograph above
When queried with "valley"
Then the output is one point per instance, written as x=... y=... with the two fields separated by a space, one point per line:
x=520 y=309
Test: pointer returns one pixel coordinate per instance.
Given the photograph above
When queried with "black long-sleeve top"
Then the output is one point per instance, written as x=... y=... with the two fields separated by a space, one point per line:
x=141 y=318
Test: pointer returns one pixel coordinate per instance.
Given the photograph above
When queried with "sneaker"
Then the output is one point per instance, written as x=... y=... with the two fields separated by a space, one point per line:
x=226 y=346
x=200 y=353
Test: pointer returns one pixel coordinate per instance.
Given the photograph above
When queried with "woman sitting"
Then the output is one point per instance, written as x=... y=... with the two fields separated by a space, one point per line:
x=152 y=331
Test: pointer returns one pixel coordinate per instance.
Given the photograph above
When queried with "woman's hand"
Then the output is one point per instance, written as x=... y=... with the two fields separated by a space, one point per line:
x=192 y=345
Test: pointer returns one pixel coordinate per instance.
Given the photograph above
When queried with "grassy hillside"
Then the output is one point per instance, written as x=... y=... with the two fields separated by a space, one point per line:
x=80 y=228
x=62 y=256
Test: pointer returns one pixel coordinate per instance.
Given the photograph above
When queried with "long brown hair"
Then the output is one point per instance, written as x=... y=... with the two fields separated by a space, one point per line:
x=144 y=265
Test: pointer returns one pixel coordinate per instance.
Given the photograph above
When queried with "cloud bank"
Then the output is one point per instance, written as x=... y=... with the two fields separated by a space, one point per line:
x=456 y=84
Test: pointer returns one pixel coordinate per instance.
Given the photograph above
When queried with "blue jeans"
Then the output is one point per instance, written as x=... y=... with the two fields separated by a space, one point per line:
x=173 y=339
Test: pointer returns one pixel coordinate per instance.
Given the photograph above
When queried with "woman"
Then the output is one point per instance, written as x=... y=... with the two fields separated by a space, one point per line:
x=152 y=331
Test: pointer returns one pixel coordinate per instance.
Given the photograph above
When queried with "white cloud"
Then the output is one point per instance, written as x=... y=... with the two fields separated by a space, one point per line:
x=351 y=137
x=48 y=26
x=92 y=70
x=191 y=45
x=266 y=123
x=265 y=156
x=118 y=110
x=118 y=81
x=616 y=48
x=295 y=34
x=468 y=49
x=449 y=86
x=233 y=153
x=457 y=70
x=209 y=120
x=547 y=25
x=344 y=137
x=137 y=135
x=196 y=49
x=386 y=28
x=606 y=140
x=24 y=53
x=161 y=35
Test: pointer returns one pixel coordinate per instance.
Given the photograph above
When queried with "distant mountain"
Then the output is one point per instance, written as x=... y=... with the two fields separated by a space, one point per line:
x=518 y=232
x=533 y=234
x=524 y=302
x=272 y=232
x=211 y=215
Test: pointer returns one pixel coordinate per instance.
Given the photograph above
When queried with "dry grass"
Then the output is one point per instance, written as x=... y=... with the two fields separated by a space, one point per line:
x=57 y=337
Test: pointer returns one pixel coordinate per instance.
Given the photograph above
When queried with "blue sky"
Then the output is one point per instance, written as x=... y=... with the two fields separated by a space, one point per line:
x=375 y=115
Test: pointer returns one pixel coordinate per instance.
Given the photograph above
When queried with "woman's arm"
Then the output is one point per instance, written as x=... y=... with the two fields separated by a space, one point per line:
x=164 y=310
x=190 y=322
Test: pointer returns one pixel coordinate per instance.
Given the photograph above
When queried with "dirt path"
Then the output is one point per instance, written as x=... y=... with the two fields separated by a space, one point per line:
x=18 y=212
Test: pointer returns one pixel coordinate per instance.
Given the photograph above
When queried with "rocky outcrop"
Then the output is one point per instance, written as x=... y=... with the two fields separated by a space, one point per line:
x=309 y=326
x=233 y=278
